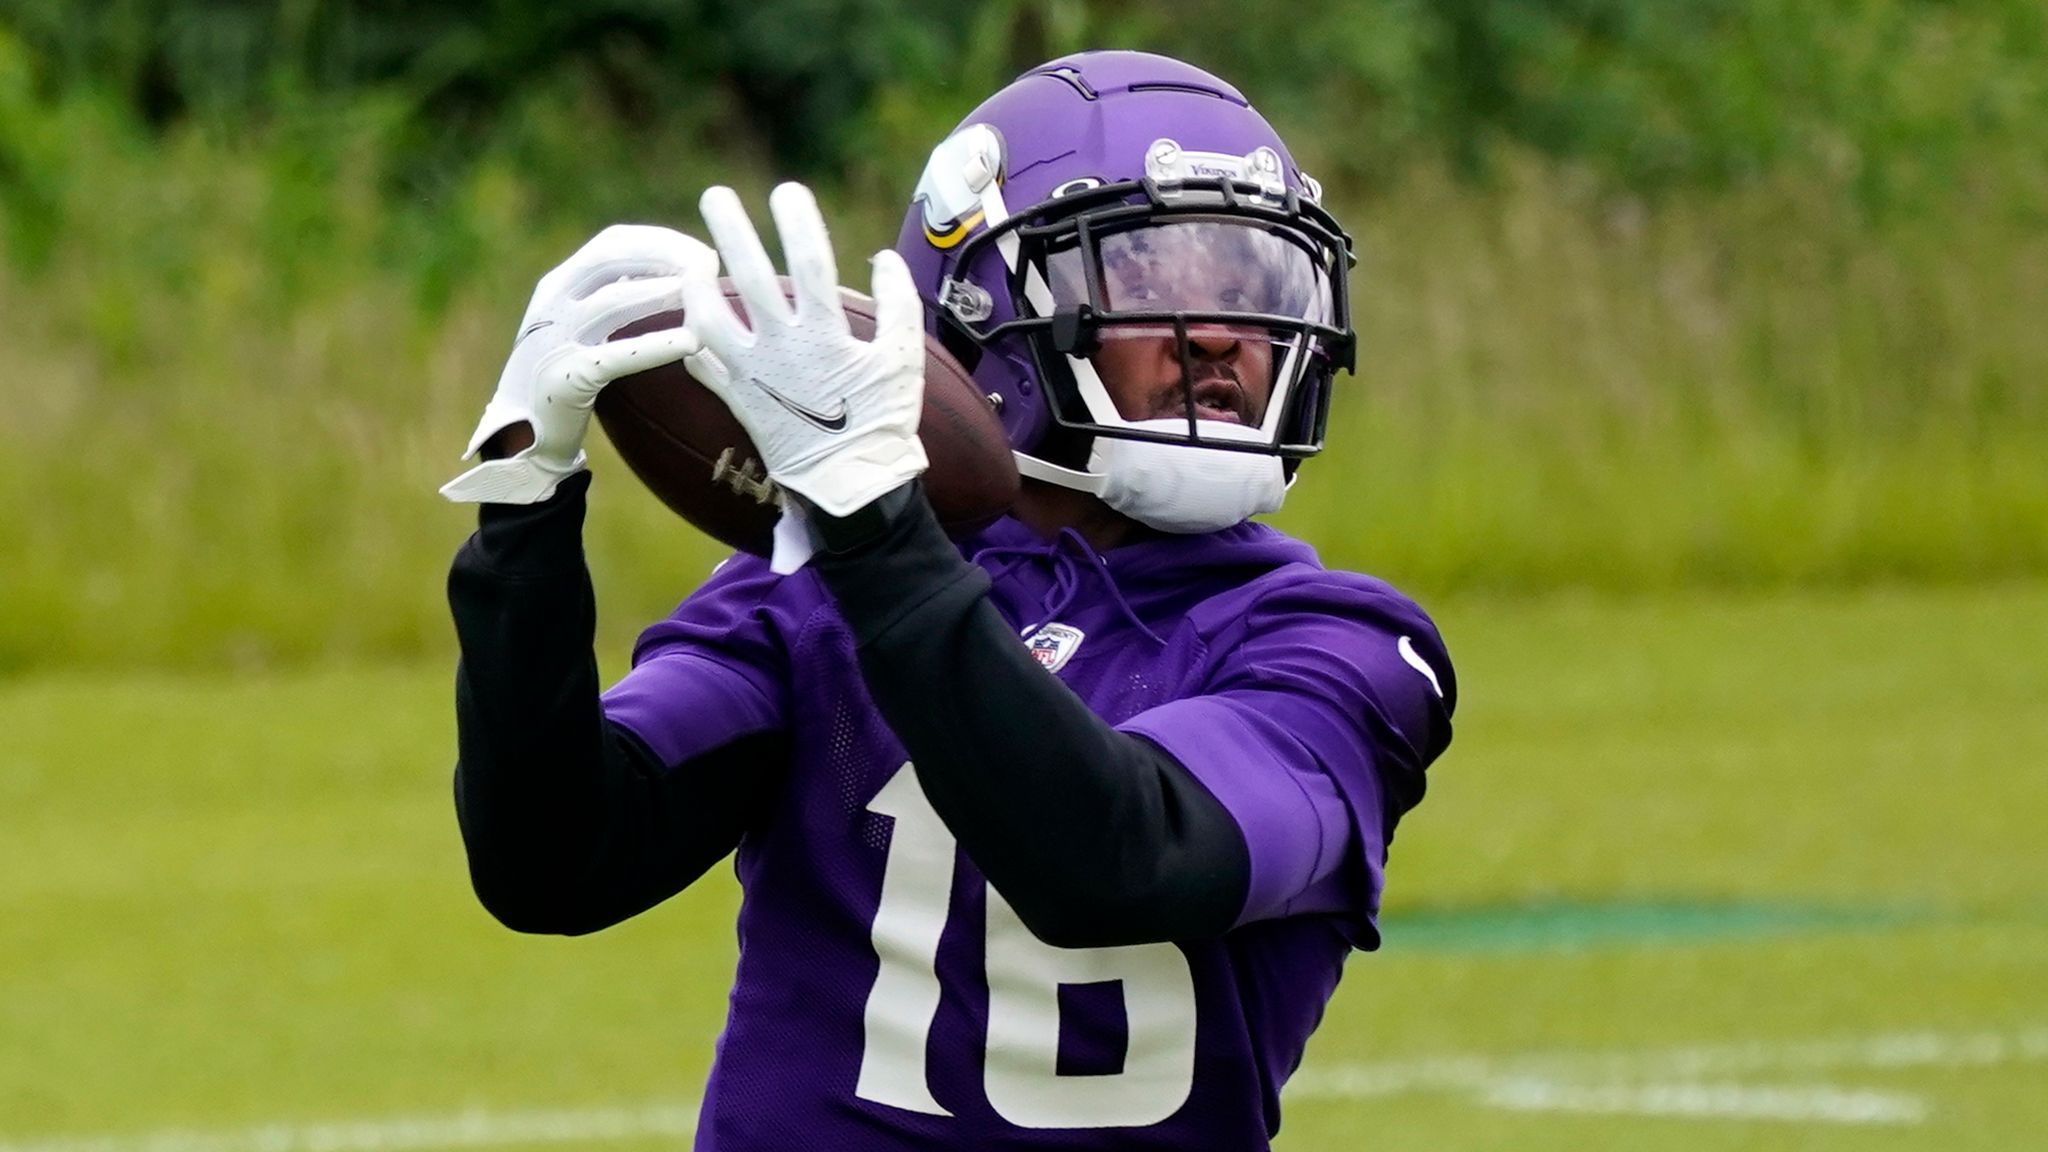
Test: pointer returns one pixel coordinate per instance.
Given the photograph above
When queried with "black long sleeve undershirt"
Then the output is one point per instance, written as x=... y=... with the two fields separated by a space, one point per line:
x=1094 y=836
x=570 y=824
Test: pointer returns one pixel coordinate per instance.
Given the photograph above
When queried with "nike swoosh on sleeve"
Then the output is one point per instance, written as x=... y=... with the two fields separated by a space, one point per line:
x=1414 y=660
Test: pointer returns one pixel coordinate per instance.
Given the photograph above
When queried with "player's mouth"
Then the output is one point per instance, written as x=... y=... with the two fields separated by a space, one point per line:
x=1216 y=398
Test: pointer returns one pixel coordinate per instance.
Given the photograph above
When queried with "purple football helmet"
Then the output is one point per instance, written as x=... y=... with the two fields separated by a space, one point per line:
x=1120 y=195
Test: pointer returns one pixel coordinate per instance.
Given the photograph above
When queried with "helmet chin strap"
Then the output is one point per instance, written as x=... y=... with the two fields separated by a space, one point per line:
x=1177 y=488
x=1100 y=406
x=1031 y=467
x=1093 y=483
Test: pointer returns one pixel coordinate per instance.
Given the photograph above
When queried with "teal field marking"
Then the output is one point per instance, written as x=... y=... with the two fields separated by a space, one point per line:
x=1570 y=925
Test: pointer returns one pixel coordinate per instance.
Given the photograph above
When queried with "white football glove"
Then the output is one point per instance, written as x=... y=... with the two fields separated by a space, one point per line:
x=561 y=359
x=834 y=417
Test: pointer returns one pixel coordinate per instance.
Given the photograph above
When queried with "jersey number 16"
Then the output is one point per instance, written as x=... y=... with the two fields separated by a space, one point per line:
x=1021 y=1074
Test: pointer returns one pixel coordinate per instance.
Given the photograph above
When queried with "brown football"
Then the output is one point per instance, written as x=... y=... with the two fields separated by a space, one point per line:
x=683 y=443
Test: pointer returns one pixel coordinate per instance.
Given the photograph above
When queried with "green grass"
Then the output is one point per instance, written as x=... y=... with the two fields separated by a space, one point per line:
x=1670 y=822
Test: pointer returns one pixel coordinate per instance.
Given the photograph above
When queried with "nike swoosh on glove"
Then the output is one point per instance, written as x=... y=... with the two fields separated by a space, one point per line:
x=833 y=416
x=561 y=358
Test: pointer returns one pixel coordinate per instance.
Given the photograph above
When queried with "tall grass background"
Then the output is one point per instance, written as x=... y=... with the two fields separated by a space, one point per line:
x=237 y=357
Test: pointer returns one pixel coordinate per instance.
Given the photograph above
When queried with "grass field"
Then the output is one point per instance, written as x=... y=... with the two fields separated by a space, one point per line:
x=1699 y=873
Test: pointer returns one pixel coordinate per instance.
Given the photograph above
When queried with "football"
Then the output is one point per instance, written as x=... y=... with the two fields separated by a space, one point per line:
x=684 y=444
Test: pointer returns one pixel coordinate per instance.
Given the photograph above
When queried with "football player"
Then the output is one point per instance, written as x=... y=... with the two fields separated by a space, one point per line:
x=1053 y=837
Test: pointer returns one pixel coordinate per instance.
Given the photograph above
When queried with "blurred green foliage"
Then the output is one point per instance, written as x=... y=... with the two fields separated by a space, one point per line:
x=1884 y=96
x=1655 y=293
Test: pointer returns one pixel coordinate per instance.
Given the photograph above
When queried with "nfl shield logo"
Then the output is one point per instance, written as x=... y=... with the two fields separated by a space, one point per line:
x=1053 y=645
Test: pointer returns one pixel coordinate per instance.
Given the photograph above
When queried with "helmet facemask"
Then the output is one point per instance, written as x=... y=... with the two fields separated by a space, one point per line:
x=1231 y=293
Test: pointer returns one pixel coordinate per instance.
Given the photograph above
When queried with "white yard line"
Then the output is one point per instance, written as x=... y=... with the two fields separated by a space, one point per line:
x=1660 y=1082
x=476 y=1128
x=1823 y=1104
x=1898 y=1050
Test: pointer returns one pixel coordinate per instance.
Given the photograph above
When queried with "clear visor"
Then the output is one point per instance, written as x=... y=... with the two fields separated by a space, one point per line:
x=1225 y=282
x=1199 y=266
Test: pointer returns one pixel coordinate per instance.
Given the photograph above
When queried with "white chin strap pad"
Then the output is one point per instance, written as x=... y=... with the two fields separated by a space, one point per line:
x=1178 y=488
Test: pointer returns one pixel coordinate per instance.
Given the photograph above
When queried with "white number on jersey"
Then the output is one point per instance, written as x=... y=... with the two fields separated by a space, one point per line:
x=1024 y=976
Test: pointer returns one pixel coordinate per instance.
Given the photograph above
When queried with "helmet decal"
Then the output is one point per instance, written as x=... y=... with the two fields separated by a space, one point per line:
x=953 y=232
x=1167 y=163
x=960 y=170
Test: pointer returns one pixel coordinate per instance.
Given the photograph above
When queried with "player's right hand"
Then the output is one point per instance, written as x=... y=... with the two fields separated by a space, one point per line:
x=561 y=359
x=833 y=416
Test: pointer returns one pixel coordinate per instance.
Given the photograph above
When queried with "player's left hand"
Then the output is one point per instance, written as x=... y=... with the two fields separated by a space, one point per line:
x=834 y=416
x=564 y=355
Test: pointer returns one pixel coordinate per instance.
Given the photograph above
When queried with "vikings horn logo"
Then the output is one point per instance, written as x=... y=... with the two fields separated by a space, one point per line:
x=956 y=178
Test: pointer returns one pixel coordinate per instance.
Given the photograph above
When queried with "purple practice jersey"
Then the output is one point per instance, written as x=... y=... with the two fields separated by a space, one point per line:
x=888 y=998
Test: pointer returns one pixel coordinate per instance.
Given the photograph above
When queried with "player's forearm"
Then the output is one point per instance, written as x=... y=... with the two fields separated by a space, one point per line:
x=1094 y=836
x=569 y=824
